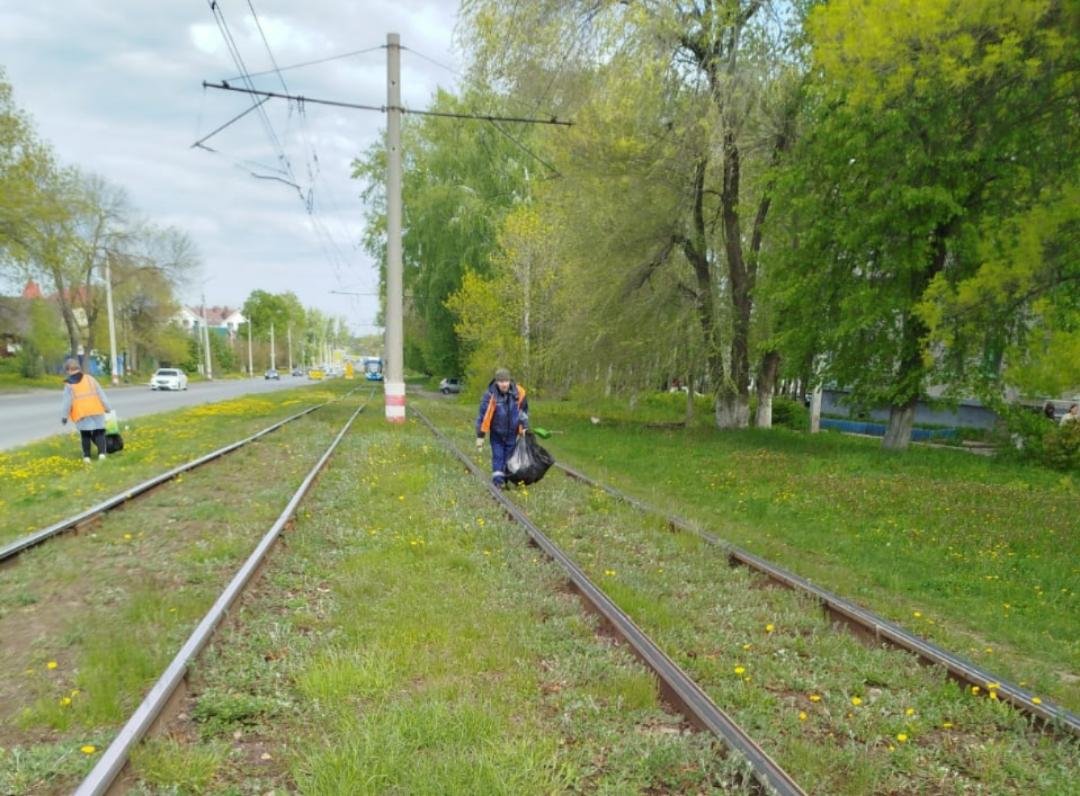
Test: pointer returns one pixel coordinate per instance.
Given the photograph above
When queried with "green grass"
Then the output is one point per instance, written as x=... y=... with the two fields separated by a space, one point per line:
x=404 y=650
x=977 y=554
x=93 y=619
x=46 y=481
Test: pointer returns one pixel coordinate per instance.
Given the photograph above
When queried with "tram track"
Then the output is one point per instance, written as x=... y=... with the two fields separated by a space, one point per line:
x=679 y=689
x=109 y=766
x=861 y=621
x=84 y=518
x=1042 y=715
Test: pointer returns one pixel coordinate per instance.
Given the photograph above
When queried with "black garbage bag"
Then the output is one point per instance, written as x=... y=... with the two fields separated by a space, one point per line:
x=528 y=461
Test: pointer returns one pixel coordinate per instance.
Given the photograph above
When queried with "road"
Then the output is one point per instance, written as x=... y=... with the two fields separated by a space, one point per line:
x=29 y=416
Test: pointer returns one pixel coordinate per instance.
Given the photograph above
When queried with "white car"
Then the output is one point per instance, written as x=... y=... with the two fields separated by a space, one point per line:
x=168 y=379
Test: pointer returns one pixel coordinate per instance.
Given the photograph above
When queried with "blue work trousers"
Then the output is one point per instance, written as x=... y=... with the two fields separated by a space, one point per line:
x=500 y=454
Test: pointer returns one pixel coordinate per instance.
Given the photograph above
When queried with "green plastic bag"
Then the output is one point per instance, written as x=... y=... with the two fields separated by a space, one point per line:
x=112 y=425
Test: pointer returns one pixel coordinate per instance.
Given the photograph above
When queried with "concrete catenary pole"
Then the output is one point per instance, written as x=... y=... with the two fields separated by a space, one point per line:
x=288 y=336
x=395 y=378
x=113 y=361
x=251 y=365
x=273 y=351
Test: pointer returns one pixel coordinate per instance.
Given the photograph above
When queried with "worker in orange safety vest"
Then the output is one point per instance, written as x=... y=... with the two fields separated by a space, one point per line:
x=85 y=404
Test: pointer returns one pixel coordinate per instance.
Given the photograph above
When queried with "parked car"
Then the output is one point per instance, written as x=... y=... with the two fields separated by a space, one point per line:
x=298 y=371
x=168 y=379
x=447 y=386
x=272 y=374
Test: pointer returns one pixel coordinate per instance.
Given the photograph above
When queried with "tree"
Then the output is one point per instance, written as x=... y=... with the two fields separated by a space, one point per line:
x=928 y=124
x=461 y=177
x=694 y=155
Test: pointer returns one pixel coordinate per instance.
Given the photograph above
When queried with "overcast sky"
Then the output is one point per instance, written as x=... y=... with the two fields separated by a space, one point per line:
x=116 y=87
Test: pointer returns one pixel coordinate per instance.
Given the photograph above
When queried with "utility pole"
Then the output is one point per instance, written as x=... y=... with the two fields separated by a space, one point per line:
x=113 y=362
x=251 y=366
x=273 y=353
x=288 y=334
x=206 y=342
x=395 y=378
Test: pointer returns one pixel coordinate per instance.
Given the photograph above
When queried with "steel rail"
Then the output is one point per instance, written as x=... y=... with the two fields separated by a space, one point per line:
x=863 y=619
x=37 y=537
x=112 y=762
x=677 y=686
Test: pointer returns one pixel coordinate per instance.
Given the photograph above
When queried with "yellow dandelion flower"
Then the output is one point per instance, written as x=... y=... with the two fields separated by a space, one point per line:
x=51 y=665
x=802 y=715
x=856 y=701
x=740 y=670
x=769 y=628
x=487 y=552
x=1036 y=700
x=400 y=497
x=946 y=725
x=127 y=537
x=88 y=749
x=917 y=614
x=75 y=693
x=989 y=649
x=815 y=697
x=901 y=737
x=747 y=646
x=909 y=712
x=975 y=689
x=65 y=701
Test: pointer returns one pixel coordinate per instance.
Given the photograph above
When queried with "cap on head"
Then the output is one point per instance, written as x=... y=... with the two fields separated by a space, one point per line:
x=502 y=374
x=71 y=365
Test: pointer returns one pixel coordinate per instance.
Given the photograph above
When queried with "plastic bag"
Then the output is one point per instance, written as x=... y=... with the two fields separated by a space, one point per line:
x=528 y=461
x=112 y=424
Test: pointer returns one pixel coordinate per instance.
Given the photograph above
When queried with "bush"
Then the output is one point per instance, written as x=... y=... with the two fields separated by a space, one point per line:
x=786 y=412
x=1061 y=447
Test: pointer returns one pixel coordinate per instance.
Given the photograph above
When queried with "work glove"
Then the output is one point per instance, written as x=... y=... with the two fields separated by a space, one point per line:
x=479 y=443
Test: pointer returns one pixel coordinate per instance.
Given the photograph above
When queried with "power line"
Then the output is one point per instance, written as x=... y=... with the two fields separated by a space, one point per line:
x=486 y=117
x=311 y=63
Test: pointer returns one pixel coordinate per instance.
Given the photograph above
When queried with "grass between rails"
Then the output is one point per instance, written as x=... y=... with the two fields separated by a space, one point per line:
x=46 y=481
x=407 y=640
x=90 y=621
x=841 y=717
x=976 y=554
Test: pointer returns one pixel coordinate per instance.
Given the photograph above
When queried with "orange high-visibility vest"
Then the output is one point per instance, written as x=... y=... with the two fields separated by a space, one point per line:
x=84 y=399
x=485 y=424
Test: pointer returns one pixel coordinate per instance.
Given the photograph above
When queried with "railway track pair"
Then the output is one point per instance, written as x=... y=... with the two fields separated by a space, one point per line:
x=680 y=690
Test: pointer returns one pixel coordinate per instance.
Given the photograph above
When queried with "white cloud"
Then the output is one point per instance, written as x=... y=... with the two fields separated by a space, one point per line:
x=117 y=90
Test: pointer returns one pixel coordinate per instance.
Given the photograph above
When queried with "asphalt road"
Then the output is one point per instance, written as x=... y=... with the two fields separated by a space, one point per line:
x=29 y=416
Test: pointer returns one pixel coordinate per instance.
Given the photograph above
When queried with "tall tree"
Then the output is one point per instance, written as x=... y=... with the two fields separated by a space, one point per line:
x=712 y=61
x=460 y=179
x=929 y=122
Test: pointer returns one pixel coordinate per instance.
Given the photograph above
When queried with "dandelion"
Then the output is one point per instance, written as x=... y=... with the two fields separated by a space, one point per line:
x=740 y=670
x=1036 y=700
x=609 y=573
x=487 y=552
x=75 y=693
x=127 y=537
x=802 y=715
x=917 y=614
x=988 y=650
x=856 y=701
x=400 y=497
x=769 y=628
x=747 y=646
x=815 y=697
x=975 y=689
x=909 y=712
x=65 y=701
x=901 y=737
x=51 y=665
x=88 y=749
x=946 y=725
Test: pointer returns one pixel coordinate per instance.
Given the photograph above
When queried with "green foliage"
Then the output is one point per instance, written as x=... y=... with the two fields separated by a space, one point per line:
x=45 y=343
x=460 y=180
x=927 y=124
x=1061 y=447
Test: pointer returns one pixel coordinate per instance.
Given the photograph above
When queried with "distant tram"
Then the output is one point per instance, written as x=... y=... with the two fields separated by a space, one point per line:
x=373 y=368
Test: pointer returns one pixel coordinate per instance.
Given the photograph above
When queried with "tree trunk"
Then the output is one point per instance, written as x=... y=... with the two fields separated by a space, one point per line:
x=689 y=399
x=734 y=402
x=766 y=385
x=815 y=411
x=901 y=419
